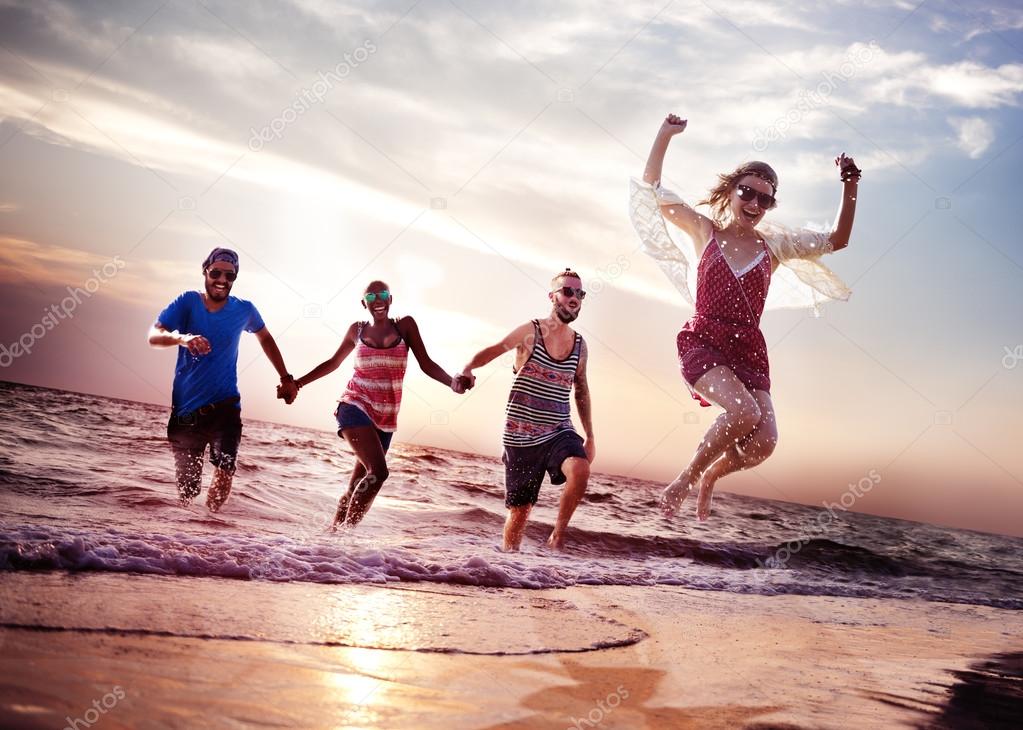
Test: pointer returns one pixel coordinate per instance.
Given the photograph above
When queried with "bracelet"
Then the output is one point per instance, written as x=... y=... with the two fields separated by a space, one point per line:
x=286 y=378
x=851 y=172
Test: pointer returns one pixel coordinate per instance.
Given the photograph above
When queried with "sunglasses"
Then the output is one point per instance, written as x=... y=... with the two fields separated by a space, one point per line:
x=571 y=291
x=215 y=274
x=371 y=297
x=747 y=194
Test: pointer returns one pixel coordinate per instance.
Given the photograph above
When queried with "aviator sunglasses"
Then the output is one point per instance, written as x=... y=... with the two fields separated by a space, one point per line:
x=371 y=297
x=570 y=291
x=215 y=274
x=747 y=194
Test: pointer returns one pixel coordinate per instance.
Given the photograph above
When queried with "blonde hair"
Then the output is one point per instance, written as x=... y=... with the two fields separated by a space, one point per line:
x=717 y=198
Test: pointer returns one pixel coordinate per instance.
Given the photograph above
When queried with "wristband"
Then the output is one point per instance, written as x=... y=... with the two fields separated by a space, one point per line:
x=851 y=172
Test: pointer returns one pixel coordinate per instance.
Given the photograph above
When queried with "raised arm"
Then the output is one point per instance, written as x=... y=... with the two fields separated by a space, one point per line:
x=697 y=226
x=582 y=403
x=655 y=162
x=410 y=332
x=842 y=229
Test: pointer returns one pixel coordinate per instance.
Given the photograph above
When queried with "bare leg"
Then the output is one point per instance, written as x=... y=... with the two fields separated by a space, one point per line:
x=750 y=451
x=220 y=489
x=577 y=471
x=741 y=414
x=358 y=473
x=514 y=526
x=370 y=452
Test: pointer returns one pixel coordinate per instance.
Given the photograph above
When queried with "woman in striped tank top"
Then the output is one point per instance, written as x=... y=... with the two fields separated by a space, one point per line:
x=367 y=412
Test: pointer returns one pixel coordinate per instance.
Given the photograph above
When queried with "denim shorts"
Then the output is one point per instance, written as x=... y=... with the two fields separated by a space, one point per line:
x=349 y=416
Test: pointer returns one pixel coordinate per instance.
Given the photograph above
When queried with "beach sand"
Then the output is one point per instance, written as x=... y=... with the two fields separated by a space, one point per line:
x=133 y=651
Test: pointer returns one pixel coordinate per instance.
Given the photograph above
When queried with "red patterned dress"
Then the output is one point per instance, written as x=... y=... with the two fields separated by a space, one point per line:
x=725 y=329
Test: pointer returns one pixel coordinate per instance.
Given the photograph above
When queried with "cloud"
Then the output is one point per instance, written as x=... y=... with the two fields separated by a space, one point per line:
x=973 y=85
x=45 y=266
x=446 y=100
x=975 y=135
x=872 y=74
x=996 y=20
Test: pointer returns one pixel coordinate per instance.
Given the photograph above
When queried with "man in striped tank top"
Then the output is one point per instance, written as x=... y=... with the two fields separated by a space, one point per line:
x=550 y=358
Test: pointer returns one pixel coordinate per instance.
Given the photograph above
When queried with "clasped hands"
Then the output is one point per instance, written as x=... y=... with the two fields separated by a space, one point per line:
x=288 y=391
x=463 y=382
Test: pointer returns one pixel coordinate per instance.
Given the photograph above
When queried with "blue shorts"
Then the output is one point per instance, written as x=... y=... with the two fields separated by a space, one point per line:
x=349 y=416
x=524 y=466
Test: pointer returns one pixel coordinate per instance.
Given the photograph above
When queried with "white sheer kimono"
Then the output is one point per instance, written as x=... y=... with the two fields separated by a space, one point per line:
x=800 y=281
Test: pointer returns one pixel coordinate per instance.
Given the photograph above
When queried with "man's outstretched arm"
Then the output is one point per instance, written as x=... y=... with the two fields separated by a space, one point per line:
x=520 y=336
x=273 y=353
x=160 y=336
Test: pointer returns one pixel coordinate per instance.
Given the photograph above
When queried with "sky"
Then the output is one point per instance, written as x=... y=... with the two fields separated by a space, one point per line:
x=466 y=151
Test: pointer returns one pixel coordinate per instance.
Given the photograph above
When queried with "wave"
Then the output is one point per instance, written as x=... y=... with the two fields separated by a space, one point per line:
x=334 y=559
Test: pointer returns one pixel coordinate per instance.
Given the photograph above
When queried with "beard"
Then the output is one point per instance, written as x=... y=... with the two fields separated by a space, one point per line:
x=217 y=294
x=566 y=315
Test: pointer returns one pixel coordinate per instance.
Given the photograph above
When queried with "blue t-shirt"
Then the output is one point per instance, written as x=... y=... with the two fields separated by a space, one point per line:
x=203 y=379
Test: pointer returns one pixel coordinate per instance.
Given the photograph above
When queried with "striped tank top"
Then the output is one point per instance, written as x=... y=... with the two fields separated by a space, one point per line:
x=375 y=387
x=538 y=405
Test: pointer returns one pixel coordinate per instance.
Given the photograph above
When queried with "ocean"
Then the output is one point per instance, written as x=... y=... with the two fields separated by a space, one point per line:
x=87 y=485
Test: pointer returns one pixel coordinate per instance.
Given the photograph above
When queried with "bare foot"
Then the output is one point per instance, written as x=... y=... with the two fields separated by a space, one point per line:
x=674 y=495
x=704 y=500
x=556 y=542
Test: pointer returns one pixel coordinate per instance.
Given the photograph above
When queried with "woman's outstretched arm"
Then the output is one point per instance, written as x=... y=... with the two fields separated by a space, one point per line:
x=842 y=229
x=328 y=366
x=410 y=332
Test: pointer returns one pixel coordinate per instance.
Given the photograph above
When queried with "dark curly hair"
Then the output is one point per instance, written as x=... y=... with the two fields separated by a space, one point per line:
x=717 y=198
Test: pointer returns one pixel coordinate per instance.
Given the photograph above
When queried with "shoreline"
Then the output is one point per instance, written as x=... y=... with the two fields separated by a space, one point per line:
x=460 y=657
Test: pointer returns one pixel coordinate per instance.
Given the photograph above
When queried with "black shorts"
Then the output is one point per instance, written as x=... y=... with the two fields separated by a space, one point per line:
x=220 y=429
x=524 y=466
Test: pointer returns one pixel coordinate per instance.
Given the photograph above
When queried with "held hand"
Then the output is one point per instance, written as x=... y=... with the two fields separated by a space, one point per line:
x=591 y=449
x=196 y=344
x=288 y=392
x=672 y=125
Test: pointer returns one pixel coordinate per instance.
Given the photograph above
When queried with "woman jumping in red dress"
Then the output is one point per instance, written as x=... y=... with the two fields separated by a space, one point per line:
x=721 y=350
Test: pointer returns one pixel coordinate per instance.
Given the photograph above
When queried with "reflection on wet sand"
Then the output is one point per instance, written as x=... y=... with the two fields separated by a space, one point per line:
x=613 y=696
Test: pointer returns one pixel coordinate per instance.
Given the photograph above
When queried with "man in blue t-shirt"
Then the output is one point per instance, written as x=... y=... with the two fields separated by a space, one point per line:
x=206 y=328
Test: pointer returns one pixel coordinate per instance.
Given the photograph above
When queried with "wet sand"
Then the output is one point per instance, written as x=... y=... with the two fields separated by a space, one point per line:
x=131 y=651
